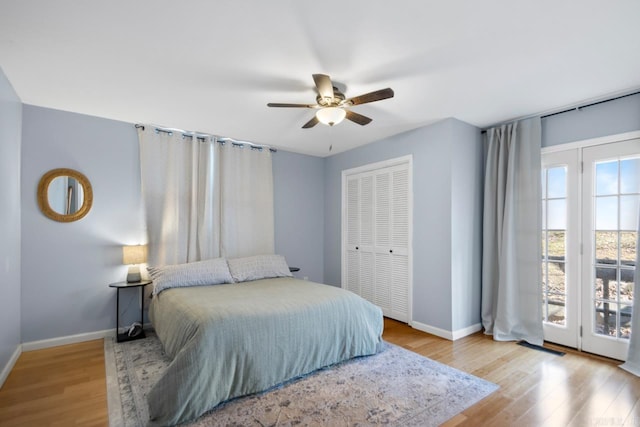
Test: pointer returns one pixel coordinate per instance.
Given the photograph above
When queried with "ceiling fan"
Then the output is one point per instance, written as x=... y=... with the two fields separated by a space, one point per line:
x=333 y=106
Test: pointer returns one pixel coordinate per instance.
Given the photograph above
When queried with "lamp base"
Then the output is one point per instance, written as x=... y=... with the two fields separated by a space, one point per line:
x=133 y=276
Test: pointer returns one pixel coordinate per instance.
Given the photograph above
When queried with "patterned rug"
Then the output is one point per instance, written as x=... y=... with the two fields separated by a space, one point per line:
x=394 y=387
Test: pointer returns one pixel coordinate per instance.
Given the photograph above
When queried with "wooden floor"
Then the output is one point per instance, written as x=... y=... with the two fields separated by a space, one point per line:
x=60 y=386
x=536 y=388
x=66 y=386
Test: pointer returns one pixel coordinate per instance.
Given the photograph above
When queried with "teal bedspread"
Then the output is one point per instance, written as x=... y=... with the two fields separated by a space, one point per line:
x=236 y=339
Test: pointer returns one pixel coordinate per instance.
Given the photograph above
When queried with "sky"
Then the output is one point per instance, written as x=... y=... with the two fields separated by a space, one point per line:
x=617 y=195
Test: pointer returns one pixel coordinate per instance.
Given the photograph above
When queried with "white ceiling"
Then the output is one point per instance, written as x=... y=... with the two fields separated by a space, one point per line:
x=212 y=66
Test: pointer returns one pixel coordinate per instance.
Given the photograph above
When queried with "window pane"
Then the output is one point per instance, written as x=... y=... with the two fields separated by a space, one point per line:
x=606 y=247
x=630 y=176
x=543 y=241
x=607 y=213
x=556 y=313
x=557 y=214
x=544 y=183
x=557 y=182
x=605 y=318
x=626 y=285
x=544 y=215
x=556 y=277
x=625 y=321
x=607 y=178
x=628 y=248
x=557 y=245
x=606 y=283
x=629 y=212
x=544 y=279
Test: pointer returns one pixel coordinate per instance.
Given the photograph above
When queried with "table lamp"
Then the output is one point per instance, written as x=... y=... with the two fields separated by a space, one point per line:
x=134 y=255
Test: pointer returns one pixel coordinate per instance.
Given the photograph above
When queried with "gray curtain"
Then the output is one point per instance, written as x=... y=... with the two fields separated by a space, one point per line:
x=511 y=286
x=633 y=356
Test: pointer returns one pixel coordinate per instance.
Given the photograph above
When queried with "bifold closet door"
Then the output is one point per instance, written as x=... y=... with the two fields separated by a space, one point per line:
x=377 y=238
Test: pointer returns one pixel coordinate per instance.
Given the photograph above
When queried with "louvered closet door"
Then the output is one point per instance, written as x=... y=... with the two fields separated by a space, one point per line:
x=399 y=248
x=392 y=242
x=377 y=263
x=352 y=262
x=383 y=273
x=367 y=233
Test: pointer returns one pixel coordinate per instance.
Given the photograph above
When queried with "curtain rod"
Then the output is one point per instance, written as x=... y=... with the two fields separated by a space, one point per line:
x=202 y=136
x=580 y=107
x=577 y=107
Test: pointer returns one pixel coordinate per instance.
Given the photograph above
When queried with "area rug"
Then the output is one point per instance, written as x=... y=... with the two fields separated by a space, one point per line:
x=394 y=387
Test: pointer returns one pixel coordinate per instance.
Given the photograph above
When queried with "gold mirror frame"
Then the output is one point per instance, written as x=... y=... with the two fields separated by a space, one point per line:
x=43 y=195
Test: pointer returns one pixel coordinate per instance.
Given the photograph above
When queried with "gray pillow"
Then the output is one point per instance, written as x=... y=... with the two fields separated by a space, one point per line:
x=209 y=272
x=258 y=267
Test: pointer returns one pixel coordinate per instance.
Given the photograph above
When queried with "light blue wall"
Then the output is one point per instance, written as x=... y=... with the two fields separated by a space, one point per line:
x=10 y=142
x=434 y=173
x=609 y=118
x=298 y=182
x=467 y=176
x=66 y=267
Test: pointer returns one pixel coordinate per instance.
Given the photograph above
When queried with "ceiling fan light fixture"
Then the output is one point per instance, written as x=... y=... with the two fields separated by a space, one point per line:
x=332 y=106
x=331 y=115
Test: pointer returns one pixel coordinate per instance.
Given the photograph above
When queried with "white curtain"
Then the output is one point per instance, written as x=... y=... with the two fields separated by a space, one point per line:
x=245 y=200
x=511 y=297
x=633 y=356
x=203 y=200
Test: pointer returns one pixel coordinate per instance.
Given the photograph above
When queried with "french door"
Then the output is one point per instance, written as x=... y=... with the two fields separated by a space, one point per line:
x=611 y=192
x=591 y=200
x=560 y=247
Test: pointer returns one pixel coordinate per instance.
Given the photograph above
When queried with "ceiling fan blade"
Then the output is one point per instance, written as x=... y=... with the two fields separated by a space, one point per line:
x=371 y=97
x=311 y=123
x=357 y=118
x=277 y=104
x=324 y=85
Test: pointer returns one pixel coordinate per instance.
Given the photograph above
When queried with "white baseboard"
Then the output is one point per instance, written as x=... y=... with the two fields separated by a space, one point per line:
x=72 y=339
x=461 y=333
x=442 y=333
x=432 y=330
x=69 y=339
x=10 y=364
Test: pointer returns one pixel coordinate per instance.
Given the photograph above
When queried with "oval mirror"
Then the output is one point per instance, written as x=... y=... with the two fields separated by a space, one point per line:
x=64 y=195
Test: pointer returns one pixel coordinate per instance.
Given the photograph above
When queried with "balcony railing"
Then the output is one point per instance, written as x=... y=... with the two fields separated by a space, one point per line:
x=607 y=271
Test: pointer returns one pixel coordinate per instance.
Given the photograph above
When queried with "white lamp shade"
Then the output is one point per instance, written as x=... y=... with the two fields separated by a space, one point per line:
x=331 y=115
x=134 y=254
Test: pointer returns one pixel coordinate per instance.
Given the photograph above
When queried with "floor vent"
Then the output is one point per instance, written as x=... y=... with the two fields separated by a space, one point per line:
x=540 y=348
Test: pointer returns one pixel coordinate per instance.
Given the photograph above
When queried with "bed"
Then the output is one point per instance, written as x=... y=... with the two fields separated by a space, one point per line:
x=232 y=339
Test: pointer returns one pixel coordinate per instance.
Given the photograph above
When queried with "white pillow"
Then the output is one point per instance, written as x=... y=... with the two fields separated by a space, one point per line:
x=258 y=267
x=209 y=272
